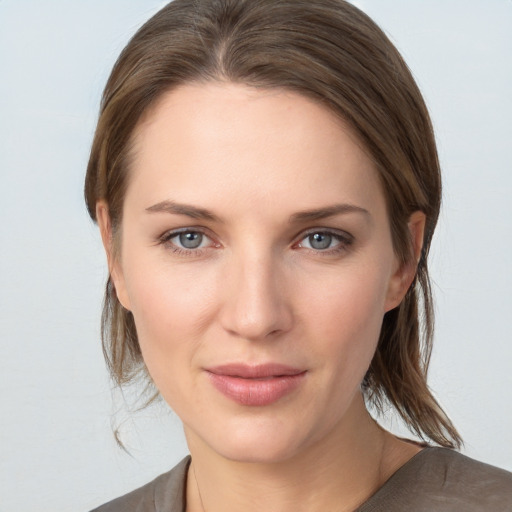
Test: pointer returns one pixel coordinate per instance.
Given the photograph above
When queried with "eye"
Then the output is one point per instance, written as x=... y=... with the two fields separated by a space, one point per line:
x=319 y=241
x=325 y=241
x=187 y=241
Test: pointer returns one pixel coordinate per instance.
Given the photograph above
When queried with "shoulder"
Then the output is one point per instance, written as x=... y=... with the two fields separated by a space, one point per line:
x=462 y=467
x=164 y=493
x=443 y=480
x=466 y=478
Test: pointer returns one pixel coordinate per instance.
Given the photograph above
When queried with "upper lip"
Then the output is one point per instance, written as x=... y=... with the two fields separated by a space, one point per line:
x=258 y=371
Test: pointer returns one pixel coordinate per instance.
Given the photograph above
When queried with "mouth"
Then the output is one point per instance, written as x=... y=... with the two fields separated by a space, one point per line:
x=255 y=385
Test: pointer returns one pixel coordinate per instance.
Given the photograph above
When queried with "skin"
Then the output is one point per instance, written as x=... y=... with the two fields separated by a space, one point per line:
x=259 y=290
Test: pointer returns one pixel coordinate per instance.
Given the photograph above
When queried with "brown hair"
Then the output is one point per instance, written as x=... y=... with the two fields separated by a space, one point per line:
x=327 y=50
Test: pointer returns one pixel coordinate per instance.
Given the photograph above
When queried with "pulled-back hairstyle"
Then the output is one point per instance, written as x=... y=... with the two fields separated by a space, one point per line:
x=327 y=50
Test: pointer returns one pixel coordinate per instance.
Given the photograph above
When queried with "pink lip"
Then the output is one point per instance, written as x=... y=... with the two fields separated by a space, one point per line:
x=255 y=385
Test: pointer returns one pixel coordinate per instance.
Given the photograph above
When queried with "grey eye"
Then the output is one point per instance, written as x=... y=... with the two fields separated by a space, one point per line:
x=320 y=241
x=191 y=239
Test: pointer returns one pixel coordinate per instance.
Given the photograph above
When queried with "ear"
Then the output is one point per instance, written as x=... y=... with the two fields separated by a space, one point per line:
x=404 y=275
x=114 y=265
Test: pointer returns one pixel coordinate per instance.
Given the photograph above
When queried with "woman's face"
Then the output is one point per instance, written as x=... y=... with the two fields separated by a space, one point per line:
x=257 y=260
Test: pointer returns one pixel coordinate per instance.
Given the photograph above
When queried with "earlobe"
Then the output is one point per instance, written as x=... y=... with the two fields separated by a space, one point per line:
x=114 y=267
x=405 y=273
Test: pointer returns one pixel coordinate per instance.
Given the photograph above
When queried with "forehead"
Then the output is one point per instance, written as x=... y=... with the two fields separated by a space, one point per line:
x=214 y=142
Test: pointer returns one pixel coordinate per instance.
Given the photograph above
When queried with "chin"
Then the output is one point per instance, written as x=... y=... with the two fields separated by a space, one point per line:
x=259 y=442
x=256 y=453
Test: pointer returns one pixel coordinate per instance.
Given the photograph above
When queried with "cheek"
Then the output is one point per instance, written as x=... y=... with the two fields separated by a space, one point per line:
x=168 y=301
x=346 y=318
x=169 y=313
x=172 y=309
x=354 y=298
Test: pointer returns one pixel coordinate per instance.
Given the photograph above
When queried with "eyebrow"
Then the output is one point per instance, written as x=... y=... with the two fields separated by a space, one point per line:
x=328 y=211
x=195 y=212
x=182 y=209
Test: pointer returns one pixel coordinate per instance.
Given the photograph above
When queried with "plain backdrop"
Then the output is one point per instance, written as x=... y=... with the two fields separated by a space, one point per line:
x=57 y=450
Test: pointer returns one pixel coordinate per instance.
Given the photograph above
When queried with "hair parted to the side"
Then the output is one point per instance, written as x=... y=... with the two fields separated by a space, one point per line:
x=327 y=50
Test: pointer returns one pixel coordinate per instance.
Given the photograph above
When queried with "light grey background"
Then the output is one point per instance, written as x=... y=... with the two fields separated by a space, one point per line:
x=57 y=452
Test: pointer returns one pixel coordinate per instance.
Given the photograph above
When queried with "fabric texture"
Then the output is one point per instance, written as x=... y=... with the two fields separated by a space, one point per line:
x=442 y=480
x=434 y=480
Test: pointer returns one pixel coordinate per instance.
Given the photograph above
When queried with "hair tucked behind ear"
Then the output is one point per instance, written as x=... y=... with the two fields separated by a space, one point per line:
x=327 y=50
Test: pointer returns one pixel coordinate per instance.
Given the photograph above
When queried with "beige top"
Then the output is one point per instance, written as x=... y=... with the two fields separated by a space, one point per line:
x=434 y=480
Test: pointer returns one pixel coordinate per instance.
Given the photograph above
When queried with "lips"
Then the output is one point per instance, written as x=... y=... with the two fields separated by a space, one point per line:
x=255 y=385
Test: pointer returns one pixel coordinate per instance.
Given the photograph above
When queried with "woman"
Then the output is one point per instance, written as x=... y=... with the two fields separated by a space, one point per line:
x=266 y=183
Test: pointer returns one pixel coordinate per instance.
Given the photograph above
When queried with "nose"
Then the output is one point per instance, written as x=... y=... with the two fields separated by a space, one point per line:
x=256 y=304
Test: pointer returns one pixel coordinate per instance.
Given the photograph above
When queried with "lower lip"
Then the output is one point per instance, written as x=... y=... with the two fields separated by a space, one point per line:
x=256 y=392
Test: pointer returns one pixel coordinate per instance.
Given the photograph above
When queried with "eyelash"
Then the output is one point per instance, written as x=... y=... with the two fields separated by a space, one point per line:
x=166 y=240
x=344 y=239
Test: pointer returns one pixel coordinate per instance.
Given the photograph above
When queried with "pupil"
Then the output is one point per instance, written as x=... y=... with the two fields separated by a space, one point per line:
x=191 y=240
x=320 y=241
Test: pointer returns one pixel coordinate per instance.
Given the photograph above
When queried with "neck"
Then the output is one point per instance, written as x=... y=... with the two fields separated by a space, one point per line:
x=338 y=473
